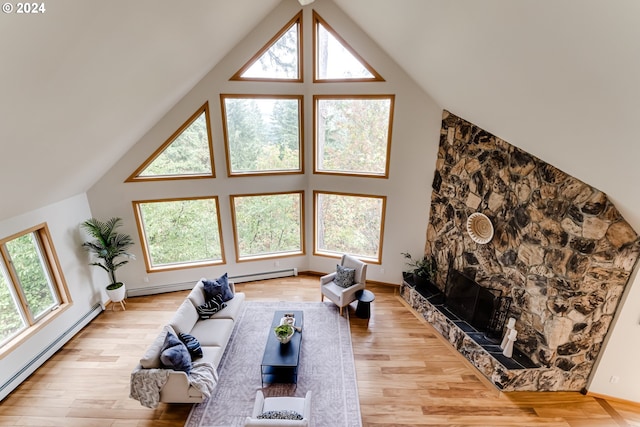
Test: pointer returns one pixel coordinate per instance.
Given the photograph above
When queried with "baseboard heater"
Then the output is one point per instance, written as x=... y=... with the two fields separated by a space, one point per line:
x=47 y=352
x=182 y=286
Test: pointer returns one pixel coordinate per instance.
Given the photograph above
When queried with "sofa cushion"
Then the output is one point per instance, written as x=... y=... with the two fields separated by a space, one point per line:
x=193 y=345
x=174 y=354
x=345 y=276
x=219 y=286
x=197 y=294
x=233 y=308
x=184 y=319
x=214 y=332
x=151 y=358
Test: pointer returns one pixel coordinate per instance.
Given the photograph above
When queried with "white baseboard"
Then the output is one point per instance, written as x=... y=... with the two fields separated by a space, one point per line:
x=183 y=286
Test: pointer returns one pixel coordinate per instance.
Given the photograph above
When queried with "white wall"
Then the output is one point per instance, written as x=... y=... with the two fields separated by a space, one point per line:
x=63 y=219
x=413 y=152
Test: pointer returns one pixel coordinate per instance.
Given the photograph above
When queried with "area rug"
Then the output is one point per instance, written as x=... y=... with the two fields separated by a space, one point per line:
x=326 y=368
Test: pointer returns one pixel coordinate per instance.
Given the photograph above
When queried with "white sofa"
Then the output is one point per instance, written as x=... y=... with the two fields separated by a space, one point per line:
x=151 y=378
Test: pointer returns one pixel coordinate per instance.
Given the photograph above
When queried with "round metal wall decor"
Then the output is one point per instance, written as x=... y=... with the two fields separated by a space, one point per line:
x=480 y=228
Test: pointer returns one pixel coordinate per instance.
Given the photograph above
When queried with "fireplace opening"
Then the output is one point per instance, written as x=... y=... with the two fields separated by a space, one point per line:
x=471 y=302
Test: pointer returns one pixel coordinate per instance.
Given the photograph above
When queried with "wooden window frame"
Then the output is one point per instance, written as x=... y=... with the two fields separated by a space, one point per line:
x=135 y=176
x=225 y=131
x=178 y=266
x=316 y=156
x=296 y=20
x=332 y=254
x=59 y=284
x=317 y=21
x=236 y=241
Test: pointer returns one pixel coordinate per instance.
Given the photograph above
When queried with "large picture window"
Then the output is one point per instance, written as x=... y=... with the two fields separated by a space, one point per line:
x=352 y=134
x=31 y=283
x=180 y=233
x=263 y=134
x=349 y=223
x=268 y=225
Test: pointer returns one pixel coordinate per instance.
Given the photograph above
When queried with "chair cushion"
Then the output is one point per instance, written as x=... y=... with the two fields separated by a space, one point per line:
x=280 y=415
x=345 y=276
x=174 y=354
x=219 y=286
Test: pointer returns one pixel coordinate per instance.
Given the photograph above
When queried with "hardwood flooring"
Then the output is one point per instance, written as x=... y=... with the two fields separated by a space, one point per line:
x=407 y=374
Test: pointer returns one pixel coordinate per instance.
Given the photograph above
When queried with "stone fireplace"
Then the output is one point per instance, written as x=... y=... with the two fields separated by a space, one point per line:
x=561 y=251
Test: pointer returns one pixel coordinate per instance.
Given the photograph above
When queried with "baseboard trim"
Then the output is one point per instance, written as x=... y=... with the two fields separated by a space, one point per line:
x=185 y=286
x=612 y=399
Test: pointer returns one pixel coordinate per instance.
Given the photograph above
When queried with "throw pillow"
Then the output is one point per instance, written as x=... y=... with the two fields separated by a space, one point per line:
x=280 y=415
x=219 y=286
x=345 y=276
x=193 y=345
x=174 y=354
x=211 y=307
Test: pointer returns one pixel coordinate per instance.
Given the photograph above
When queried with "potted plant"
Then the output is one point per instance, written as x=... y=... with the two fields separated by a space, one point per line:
x=109 y=247
x=284 y=332
x=420 y=271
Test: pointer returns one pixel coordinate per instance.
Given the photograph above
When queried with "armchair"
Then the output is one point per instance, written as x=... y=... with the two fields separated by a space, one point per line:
x=301 y=405
x=339 y=295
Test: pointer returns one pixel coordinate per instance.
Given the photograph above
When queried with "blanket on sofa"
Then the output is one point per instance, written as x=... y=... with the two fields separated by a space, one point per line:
x=147 y=383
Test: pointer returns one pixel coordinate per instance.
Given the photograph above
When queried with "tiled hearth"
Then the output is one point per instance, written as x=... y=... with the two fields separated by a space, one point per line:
x=517 y=373
x=490 y=344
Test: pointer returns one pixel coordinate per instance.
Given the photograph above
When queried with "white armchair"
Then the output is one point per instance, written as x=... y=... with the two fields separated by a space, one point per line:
x=339 y=295
x=301 y=405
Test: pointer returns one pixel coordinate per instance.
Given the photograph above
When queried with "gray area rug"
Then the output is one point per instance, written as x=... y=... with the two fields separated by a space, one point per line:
x=326 y=368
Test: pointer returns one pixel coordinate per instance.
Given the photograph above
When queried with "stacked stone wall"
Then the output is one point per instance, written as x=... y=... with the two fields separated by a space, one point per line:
x=561 y=250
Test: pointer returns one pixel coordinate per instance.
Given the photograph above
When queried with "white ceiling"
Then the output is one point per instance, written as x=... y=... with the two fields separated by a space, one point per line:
x=81 y=83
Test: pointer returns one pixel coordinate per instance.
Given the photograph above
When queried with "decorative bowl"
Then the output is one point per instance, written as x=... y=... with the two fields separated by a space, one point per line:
x=479 y=228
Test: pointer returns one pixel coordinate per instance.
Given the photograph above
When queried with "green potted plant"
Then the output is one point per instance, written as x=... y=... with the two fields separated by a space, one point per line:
x=109 y=247
x=283 y=332
x=419 y=271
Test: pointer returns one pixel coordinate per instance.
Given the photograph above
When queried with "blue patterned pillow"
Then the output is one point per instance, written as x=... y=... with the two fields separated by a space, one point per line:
x=280 y=415
x=211 y=307
x=193 y=345
x=174 y=354
x=219 y=286
x=345 y=276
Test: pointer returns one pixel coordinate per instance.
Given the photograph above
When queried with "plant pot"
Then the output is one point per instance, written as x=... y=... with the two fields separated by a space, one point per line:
x=118 y=294
x=284 y=340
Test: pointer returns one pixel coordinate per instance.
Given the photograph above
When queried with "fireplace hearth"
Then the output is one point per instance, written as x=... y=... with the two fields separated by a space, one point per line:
x=481 y=336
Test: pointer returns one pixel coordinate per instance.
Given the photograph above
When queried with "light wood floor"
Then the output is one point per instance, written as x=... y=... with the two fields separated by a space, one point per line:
x=407 y=374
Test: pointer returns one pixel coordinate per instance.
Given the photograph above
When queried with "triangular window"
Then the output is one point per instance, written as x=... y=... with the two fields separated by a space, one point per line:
x=187 y=153
x=279 y=59
x=334 y=59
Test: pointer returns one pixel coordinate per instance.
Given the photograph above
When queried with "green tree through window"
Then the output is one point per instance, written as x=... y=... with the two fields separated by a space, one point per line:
x=347 y=223
x=180 y=232
x=353 y=134
x=28 y=290
x=262 y=133
x=268 y=224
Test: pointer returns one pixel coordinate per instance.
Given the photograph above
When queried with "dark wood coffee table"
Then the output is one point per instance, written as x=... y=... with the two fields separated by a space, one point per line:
x=280 y=361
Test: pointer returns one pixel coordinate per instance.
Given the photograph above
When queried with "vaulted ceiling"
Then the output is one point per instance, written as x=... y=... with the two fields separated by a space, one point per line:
x=81 y=83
